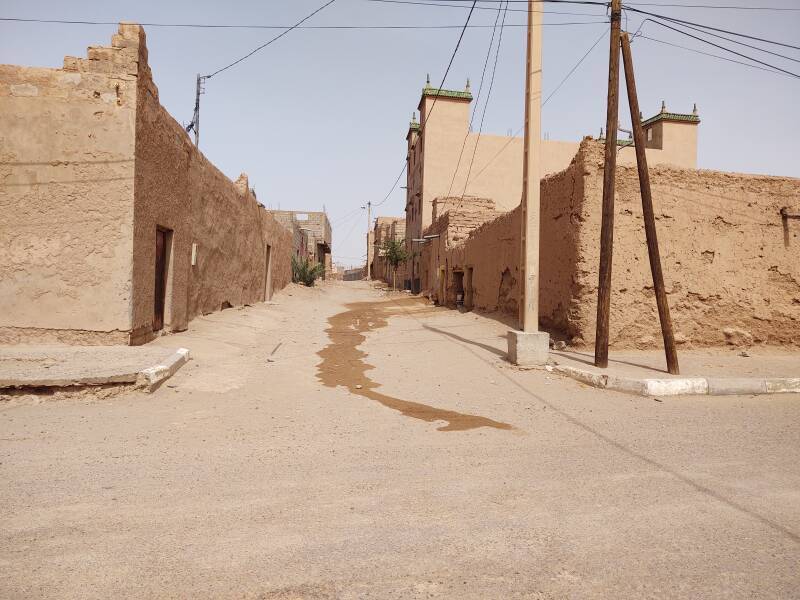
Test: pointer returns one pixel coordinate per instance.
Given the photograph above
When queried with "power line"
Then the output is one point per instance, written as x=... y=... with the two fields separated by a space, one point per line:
x=478 y=99
x=568 y=75
x=712 y=6
x=684 y=22
x=722 y=37
x=483 y=114
x=444 y=5
x=433 y=104
x=761 y=62
x=738 y=62
x=309 y=27
x=275 y=39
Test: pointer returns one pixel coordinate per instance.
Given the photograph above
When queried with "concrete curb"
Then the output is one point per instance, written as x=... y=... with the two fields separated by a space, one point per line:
x=151 y=378
x=679 y=386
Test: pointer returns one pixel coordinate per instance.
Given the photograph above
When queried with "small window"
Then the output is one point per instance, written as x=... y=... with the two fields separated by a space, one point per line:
x=649 y=135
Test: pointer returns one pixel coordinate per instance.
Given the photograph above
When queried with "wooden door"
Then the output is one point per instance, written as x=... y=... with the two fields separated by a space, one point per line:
x=161 y=279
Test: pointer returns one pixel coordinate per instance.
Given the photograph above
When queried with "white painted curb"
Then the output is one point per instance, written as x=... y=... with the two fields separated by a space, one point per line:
x=149 y=379
x=682 y=386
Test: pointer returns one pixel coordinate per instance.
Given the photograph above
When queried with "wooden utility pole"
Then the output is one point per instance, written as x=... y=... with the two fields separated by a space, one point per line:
x=529 y=263
x=609 y=171
x=370 y=241
x=647 y=210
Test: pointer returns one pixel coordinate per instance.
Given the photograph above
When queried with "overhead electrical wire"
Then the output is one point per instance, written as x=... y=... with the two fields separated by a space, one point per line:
x=483 y=114
x=310 y=27
x=566 y=77
x=713 y=6
x=433 y=104
x=722 y=37
x=478 y=98
x=761 y=62
x=275 y=39
x=685 y=22
x=738 y=62
x=666 y=5
x=460 y=6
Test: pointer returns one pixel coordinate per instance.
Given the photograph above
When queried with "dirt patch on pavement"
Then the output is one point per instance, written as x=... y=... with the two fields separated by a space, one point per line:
x=343 y=364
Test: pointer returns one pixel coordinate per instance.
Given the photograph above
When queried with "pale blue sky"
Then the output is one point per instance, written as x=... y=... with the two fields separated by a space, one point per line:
x=320 y=117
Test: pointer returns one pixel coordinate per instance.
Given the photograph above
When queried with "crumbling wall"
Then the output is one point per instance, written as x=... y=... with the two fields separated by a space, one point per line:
x=730 y=261
x=481 y=240
x=66 y=197
x=731 y=271
x=178 y=189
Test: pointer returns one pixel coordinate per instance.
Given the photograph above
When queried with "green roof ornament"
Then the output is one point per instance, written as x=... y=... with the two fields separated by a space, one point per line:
x=663 y=106
x=428 y=81
x=694 y=110
x=467 y=89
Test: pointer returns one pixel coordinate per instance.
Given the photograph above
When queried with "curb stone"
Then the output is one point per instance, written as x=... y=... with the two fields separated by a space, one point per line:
x=151 y=378
x=679 y=386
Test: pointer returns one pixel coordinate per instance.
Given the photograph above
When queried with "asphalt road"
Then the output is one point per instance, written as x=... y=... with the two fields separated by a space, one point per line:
x=342 y=443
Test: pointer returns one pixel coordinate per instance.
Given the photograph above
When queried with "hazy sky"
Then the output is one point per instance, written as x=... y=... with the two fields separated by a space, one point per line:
x=320 y=117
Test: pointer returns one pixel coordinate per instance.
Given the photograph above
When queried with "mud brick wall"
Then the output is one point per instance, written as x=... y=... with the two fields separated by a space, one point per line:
x=730 y=261
x=91 y=164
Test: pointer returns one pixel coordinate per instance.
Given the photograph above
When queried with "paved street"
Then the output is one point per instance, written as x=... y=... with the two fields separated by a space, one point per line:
x=342 y=443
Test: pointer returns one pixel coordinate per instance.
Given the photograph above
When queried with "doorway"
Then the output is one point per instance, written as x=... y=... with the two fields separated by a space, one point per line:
x=163 y=243
x=458 y=288
x=268 y=275
x=469 y=293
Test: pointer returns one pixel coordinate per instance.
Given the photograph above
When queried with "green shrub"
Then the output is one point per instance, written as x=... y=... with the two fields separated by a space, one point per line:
x=304 y=272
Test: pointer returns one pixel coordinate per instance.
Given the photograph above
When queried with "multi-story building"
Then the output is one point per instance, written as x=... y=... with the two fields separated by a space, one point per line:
x=315 y=237
x=446 y=159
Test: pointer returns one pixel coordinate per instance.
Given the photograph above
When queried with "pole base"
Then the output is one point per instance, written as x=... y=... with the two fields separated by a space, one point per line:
x=528 y=348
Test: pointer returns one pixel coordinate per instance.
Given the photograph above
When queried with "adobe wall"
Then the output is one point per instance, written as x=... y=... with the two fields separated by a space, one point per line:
x=91 y=164
x=730 y=269
x=729 y=260
x=177 y=188
x=66 y=198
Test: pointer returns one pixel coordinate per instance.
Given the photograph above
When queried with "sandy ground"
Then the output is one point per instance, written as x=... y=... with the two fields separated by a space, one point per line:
x=344 y=444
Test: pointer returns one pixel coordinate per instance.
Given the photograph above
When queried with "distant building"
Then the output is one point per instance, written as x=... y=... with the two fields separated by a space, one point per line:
x=314 y=241
x=387 y=228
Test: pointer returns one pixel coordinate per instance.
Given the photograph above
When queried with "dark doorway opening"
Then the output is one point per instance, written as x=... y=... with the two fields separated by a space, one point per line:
x=268 y=276
x=458 y=287
x=163 y=243
x=469 y=294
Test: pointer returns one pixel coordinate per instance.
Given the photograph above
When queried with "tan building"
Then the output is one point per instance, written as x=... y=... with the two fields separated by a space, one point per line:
x=441 y=157
x=316 y=234
x=387 y=228
x=114 y=226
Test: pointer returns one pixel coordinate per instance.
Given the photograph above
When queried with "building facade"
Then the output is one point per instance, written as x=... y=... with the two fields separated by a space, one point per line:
x=387 y=228
x=114 y=226
x=315 y=236
x=446 y=159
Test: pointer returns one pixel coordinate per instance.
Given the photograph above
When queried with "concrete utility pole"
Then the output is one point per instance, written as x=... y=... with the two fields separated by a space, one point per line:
x=530 y=346
x=369 y=240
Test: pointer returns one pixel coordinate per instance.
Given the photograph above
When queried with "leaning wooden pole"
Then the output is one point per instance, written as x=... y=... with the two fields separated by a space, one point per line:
x=647 y=210
x=609 y=171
